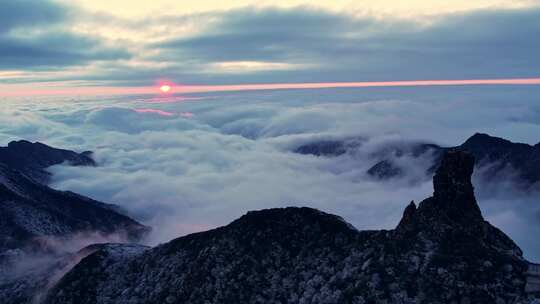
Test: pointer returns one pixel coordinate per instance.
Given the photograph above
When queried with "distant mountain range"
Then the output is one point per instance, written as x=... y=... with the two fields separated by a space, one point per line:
x=442 y=251
x=496 y=153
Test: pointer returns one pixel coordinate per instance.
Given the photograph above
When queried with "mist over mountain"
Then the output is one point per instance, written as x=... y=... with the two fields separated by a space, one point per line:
x=32 y=212
x=271 y=152
x=499 y=157
x=183 y=173
x=506 y=174
x=441 y=252
x=42 y=229
x=288 y=254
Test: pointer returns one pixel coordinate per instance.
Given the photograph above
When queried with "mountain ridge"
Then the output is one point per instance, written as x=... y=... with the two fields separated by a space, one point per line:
x=40 y=225
x=494 y=153
x=32 y=158
x=32 y=210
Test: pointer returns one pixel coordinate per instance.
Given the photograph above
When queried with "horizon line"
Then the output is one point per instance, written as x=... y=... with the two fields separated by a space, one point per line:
x=179 y=88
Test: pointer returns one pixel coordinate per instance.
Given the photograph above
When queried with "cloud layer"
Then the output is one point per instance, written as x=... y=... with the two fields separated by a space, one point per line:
x=183 y=173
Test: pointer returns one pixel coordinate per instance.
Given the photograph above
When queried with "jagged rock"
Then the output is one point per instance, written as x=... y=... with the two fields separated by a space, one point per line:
x=407 y=220
x=302 y=255
x=453 y=190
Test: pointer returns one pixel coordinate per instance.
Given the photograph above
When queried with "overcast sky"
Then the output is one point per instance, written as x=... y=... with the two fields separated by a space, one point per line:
x=121 y=43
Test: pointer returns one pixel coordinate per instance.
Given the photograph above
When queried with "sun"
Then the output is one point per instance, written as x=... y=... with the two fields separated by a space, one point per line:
x=165 y=88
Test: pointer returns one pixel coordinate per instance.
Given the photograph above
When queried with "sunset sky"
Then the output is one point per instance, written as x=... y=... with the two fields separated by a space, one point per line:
x=120 y=46
x=193 y=109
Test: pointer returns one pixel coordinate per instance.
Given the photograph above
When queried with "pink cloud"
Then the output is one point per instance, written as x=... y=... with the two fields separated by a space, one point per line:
x=155 y=111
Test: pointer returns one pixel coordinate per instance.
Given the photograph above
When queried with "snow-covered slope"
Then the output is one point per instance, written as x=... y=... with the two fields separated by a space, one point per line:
x=31 y=213
x=41 y=229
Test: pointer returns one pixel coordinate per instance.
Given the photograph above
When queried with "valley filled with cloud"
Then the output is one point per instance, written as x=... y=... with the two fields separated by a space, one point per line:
x=184 y=164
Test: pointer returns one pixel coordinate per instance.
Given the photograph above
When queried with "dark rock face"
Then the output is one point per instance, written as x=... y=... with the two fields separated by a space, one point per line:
x=453 y=204
x=441 y=252
x=407 y=220
x=32 y=158
x=453 y=190
x=464 y=245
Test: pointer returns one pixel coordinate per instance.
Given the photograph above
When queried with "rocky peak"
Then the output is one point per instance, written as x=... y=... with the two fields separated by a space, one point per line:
x=485 y=139
x=408 y=217
x=453 y=190
x=453 y=204
x=494 y=149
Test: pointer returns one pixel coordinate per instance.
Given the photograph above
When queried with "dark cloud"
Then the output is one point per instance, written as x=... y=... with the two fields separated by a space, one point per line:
x=54 y=50
x=31 y=38
x=27 y=13
x=495 y=43
x=320 y=46
x=267 y=35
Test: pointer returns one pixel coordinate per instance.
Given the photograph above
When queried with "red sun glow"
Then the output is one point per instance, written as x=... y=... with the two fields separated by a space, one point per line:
x=165 y=88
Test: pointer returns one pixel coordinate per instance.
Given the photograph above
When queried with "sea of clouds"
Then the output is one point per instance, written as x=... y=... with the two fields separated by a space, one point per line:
x=190 y=163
